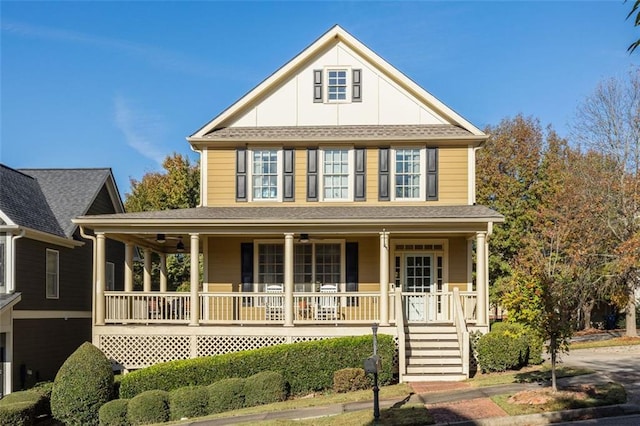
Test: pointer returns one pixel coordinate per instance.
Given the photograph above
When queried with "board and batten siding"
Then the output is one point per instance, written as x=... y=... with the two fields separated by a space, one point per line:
x=453 y=178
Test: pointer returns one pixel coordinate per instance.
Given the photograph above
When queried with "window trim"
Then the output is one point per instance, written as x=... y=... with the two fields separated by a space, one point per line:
x=350 y=174
x=423 y=174
x=279 y=173
x=48 y=273
x=347 y=85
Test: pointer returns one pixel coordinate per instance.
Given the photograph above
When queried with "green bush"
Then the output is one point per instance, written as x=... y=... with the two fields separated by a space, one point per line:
x=190 y=401
x=226 y=395
x=20 y=408
x=350 y=379
x=502 y=349
x=306 y=366
x=114 y=413
x=44 y=390
x=265 y=387
x=149 y=407
x=534 y=341
x=83 y=384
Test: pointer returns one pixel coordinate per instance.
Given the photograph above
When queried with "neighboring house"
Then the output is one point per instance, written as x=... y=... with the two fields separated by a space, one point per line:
x=336 y=194
x=46 y=267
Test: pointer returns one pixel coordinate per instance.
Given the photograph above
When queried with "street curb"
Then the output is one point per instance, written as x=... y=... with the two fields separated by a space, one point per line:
x=554 y=416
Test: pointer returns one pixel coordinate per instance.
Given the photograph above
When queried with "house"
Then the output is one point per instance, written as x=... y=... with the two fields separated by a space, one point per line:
x=46 y=267
x=334 y=195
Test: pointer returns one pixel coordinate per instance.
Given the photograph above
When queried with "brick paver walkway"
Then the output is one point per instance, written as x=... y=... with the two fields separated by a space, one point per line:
x=478 y=408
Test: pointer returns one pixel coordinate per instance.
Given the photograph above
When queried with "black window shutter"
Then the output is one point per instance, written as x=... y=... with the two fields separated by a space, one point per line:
x=432 y=174
x=360 y=193
x=351 y=266
x=241 y=175
x=317 y=85
x=356 y=84
x=312 y=174
x=383 y=175
x=246 y=266
x=288 y=175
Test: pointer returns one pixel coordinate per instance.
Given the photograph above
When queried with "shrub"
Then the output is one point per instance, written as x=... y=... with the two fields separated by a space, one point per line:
x=19 y=408
x=264 y=388
x=44 y=390
x=502 y=349
x=306 y=366
x=226 y=395
x=350 y=379
x=149 y=407
x=190 y=401
x=534 y=341
x=83 y=384
x=114 y=413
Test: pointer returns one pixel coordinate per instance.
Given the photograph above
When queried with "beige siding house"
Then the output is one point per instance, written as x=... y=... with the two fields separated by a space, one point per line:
x=334 y=195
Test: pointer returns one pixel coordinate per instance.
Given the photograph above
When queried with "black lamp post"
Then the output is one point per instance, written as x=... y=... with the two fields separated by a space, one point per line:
x=376 y=389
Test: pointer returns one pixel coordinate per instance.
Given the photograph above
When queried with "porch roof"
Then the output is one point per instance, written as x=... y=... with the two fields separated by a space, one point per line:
x=331 y=215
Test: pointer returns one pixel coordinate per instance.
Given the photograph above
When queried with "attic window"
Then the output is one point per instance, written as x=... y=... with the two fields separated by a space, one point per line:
x=336 y=85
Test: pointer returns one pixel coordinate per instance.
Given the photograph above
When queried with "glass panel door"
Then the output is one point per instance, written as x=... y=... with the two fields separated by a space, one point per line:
x=418 y=278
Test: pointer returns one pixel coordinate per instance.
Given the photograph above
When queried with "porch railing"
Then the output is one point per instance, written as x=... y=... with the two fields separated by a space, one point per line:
x=243 y=308
x=437 y=307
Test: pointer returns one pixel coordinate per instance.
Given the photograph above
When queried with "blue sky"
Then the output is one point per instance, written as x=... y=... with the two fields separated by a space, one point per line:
x=121 y=84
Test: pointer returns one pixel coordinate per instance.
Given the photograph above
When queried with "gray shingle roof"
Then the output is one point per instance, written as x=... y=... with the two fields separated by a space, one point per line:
x=47 y=199
x=292 y=213
x=364 y=132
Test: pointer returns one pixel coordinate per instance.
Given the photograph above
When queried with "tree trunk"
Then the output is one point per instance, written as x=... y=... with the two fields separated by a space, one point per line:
x=631 y=317
x=587 y=308
x=553 y=348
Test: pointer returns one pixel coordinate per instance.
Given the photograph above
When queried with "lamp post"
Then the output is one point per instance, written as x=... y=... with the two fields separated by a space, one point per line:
x=376 y=389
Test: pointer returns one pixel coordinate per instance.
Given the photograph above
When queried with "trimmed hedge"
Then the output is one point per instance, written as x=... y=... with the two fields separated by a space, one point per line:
x=149 y=407
x=508 y=346
x=20 y=408
x=83 y=384
x=114 y=413
x=190 y=401
x=264 y=388
x=226 y=395
x=350 y=379
x=306 y=366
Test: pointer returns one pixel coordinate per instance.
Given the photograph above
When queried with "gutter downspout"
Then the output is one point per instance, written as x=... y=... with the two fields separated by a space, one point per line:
x=93 y=270
x=11 y=288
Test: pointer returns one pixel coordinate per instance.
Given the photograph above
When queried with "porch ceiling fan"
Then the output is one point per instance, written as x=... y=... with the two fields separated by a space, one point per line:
x=163 y=239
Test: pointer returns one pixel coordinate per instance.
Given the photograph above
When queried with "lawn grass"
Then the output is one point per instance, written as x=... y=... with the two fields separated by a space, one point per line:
x=531 y=374
x=616 y=341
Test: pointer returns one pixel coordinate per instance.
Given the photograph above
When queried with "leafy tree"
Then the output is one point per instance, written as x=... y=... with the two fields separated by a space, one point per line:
x=635 y=9
x=608 y=122
x=177 y=188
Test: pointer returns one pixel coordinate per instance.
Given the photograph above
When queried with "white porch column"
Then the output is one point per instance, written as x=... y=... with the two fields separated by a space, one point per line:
x=384 y=278
x=146 y=281
x=288 y=280
x=128 y=267
x=195 y=279
x=100 y=277
x=163 y=272
x=481 y=278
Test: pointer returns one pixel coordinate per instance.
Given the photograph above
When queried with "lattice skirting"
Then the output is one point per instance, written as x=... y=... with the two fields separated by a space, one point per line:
x=139 y=351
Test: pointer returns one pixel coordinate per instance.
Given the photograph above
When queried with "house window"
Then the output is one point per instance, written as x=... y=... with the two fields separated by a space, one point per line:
x=110 y=273
x=271 y=263
x=265 y=174
x=336 y=174
x=336 y=85
x=408 y=173
x=52 y=274
x=328 y=263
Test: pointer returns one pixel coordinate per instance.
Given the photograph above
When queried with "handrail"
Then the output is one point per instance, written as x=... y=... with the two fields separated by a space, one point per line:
x=461 y=329
x=402 y=361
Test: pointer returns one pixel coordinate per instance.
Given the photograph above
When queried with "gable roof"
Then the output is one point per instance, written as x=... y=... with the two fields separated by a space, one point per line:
x=332 y=37
x=47 y=200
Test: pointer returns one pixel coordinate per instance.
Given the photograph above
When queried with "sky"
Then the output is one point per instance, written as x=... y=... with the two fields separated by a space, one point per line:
x=122 y=84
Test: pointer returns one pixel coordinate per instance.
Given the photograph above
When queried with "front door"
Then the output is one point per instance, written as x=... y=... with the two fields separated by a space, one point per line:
x=418 y=279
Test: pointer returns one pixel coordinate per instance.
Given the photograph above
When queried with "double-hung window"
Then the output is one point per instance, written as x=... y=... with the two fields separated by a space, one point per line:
x=336 y=85
x=264 y=174
x=52 y=274
x=336 y=174
x=408 y=173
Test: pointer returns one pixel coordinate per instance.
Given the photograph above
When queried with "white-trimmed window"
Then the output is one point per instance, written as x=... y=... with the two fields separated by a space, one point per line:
x=52 y=274
x=270 y=264
x=337 y=85
x=408 y=174
x=110 y=273
x=265 y=172
x=336 y=174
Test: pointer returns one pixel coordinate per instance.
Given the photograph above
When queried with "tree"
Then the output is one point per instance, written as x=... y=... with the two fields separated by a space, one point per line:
x=635 y=9
x=608 y=122
x=177 y=188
